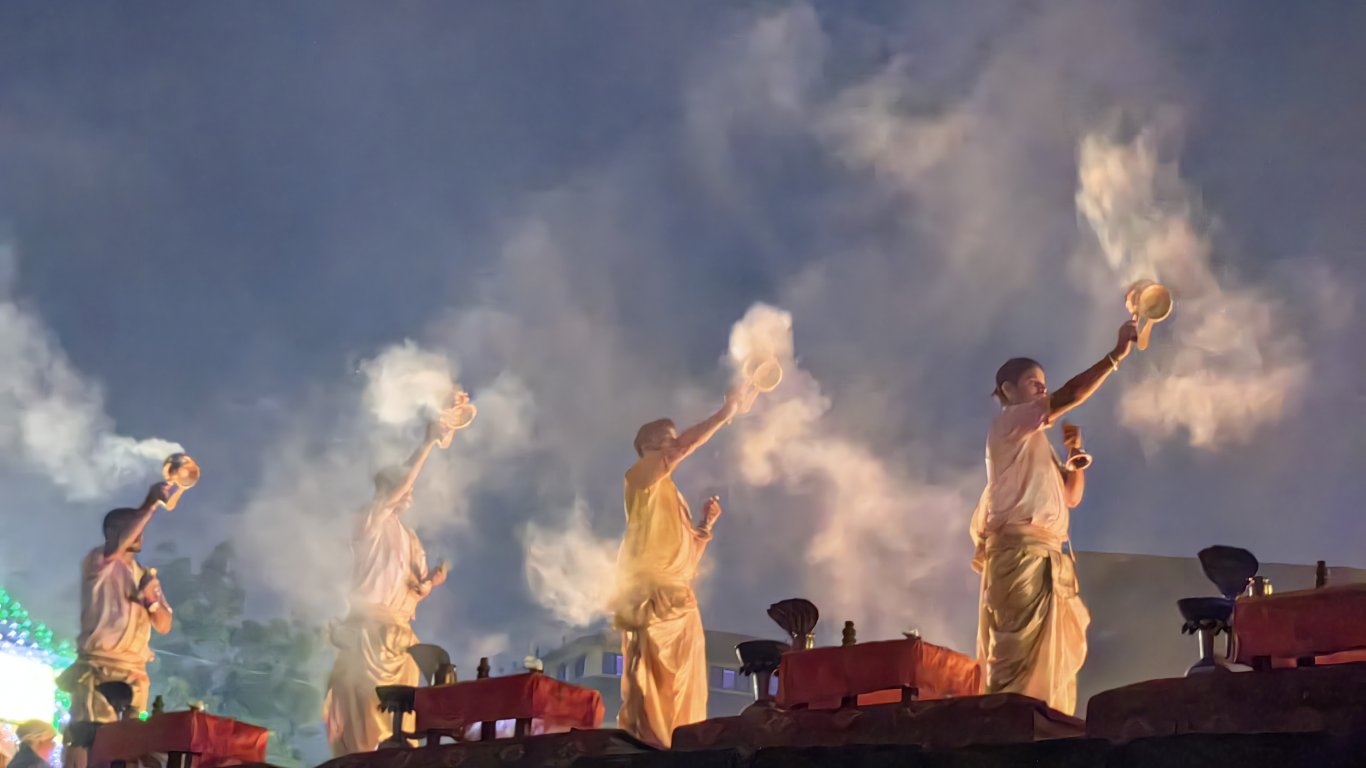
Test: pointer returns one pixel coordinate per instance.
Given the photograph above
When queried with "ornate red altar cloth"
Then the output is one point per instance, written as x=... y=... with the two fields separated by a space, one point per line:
x=1331 y=699
x=218 y=741
x=555 y=705
x=875 y=673
x=558 y=750
x=1004 y=718
x=1308 y=623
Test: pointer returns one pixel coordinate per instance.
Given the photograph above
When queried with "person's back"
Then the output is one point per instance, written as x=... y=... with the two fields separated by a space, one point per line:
x=658 y=545
x=113 y=626
x=387 y=557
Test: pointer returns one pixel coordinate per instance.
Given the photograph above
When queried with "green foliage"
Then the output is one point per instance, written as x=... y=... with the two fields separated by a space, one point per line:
x=261 y=672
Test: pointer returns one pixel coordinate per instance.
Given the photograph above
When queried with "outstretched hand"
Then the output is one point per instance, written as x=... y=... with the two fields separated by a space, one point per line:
x=1128 y=336
x=159 y=493
x=740 y=397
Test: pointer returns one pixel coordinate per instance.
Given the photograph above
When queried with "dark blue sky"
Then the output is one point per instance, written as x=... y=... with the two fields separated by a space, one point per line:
x=218 y=210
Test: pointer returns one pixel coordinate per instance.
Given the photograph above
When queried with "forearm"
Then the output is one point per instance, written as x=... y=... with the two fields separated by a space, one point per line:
x=696 y=436
x=414 y=465
x=1073 y=486
x=1080 y=387
x=159 y=612
x=133 y=531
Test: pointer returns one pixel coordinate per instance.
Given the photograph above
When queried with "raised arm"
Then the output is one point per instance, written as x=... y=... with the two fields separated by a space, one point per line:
x=413 y=468
x=157 y=494
x=697 y=435
x=1080 y=387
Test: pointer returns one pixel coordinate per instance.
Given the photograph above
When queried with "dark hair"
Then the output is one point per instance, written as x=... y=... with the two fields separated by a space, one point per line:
x=116 y=520
x=650 y=432
x=1010 y=373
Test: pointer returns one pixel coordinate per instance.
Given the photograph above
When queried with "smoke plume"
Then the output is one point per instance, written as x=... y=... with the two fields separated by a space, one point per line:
x=318 y=478
x=1227 y=365
x=875 y=529
x=52 y=418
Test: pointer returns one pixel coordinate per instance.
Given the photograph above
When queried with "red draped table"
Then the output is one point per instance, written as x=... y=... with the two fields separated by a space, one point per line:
x=215 y=741
x=874 y=673
x=525 y=699
x=1327 y=625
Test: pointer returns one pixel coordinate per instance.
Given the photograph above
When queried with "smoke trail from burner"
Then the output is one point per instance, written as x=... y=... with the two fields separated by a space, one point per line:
x=1231 y=364
x=876 y=530
x=52 y=417
x=318 y=478
x=570 y=571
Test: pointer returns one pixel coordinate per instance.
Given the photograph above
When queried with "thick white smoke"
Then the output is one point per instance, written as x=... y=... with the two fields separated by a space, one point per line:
x=52 y=418
x=571 y=571
x=877 y=529
x=317 y=480
x=1226 y=364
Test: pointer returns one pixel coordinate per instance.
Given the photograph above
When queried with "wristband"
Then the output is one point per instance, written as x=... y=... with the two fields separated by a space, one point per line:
x=1114 y=364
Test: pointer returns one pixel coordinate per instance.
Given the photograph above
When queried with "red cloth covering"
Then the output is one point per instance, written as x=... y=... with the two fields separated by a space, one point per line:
x=1003 y=718
x=821 y=677
x=557 y=705
x=219 y=741
x=1292 y=625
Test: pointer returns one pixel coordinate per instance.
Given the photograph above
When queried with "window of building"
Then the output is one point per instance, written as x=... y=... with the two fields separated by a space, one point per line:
x=729 y=679
x=773 y=686
x=580 y=667
x=714 y=677
x=613 y=664
x=560 y=673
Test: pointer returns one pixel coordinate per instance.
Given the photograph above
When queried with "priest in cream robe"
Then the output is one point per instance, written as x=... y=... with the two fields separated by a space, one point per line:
x=121 y=603
x=389 y=578
x=664 y=682
x=1031 y=636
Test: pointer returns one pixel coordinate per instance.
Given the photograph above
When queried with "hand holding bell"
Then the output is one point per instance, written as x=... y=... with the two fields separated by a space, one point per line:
x=711 y=511
x=1149 y=302
x=181 y=473
x=457 y=416
x=759 y=374
x=1077 y=459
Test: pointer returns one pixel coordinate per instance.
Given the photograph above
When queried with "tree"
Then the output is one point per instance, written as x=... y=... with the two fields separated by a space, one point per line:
x=265 y=672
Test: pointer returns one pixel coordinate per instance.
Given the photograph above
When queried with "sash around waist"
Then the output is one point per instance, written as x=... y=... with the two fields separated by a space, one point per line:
x=128 y=663
x=1027 y=536
x=378 y=613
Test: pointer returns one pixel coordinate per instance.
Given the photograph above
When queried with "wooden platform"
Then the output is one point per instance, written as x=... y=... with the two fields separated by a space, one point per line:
x=942 y=724
x=1314 y=699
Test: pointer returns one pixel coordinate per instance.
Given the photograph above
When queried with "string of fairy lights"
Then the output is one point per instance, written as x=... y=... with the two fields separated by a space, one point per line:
x=21 y=635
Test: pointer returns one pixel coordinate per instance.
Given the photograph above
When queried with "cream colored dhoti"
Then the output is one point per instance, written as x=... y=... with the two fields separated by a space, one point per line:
x=1032 y=623
x=372 y=650
x=88 y=704
x=664 y=682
